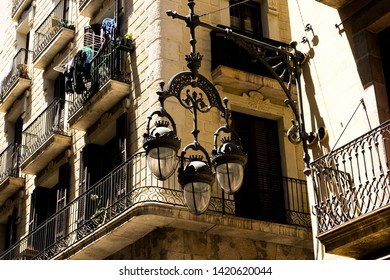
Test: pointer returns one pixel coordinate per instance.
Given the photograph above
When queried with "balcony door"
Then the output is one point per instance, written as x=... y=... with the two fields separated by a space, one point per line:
x=261 y=196
x=99 y=161
x=45 y=202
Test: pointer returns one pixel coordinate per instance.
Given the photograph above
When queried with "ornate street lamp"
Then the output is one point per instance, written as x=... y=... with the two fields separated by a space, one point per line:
x=197 y=94
x=283 y=62
x=197 y=170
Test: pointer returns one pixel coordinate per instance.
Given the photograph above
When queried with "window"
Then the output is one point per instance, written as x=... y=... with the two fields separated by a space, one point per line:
x=59 y=89
x=11 y=228
x=96 y=162
x=246 y=17
x=44 y=203
x=261 y=196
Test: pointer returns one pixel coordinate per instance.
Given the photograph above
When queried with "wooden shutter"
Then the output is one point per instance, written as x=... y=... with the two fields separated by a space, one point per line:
x=11 y=226
x=261 y=196
x=121 y=134
x=39 y=211
x=61 y=193
x=90 y=173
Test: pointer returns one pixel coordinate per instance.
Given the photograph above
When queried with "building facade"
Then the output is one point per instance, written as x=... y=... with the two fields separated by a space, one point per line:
x=346 y=103
x=78 y=81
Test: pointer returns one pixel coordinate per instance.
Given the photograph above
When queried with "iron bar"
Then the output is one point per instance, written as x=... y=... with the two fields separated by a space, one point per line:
x=57 y=19
x=21 y=68
x=48 y=123
x=130 y=185
x=289 y=55
x=352 y=180
x=9 y=162
x=107 y=65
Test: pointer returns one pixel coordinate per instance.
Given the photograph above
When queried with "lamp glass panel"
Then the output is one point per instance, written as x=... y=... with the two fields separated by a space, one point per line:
x=162 y=162
x=230 y=176
x=197 y=196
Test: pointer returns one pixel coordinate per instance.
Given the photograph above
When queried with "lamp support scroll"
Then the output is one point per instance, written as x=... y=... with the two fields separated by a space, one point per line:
x=283 y=62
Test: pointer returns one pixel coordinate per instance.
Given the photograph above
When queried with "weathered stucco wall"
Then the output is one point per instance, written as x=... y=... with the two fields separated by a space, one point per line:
x=178 y=244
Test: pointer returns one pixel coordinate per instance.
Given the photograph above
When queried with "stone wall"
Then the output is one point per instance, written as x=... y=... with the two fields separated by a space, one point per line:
x=178 y=244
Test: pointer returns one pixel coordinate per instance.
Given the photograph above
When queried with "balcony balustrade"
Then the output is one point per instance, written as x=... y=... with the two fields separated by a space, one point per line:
x=89 y=8
x=116 y=200
x=17 y=81
x=10 y=181
x=18 y=7
x=108 y=84
x=352 y=192
x=45 y=138
x=55 y=32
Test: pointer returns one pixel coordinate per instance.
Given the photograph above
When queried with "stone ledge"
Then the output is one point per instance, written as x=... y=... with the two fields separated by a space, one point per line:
x=361 y=236
x=137 y=222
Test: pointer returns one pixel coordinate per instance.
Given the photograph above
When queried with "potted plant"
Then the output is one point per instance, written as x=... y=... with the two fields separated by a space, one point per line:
x=100 y=212
x=127 y=42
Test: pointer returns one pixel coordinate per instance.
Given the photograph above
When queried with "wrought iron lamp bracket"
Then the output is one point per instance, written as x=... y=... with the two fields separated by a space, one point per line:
x=287 y=59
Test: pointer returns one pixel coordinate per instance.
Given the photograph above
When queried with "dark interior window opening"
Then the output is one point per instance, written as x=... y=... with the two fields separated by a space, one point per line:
x=98 y=161
x=45 y=202
x=246 y=17
x=261 y=195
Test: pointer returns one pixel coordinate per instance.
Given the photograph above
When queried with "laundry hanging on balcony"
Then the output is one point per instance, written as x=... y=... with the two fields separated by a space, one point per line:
x=108 y=30
x=78 y=71
x=91 y=40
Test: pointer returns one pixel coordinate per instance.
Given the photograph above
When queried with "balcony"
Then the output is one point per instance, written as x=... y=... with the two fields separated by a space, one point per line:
x=18 y=7
x=337 y=4
x=109 y=83
x=89 y=8
x=44 y=139
x=129 y=203
x=17 y=81
x=10 y=180
x=240 y=72
x=55 y=32
x=352 y=192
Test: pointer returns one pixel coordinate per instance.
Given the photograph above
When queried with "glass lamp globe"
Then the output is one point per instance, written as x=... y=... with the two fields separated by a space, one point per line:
x=229 y=162
x=230 y=176
x=162 y=162
x=196 y=180
x=197 y=196
x=161 y=147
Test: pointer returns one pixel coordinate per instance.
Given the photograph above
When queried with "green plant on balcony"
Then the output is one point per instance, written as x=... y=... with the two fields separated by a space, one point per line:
x=64 y=23
x=127 y=42
x=99 y=216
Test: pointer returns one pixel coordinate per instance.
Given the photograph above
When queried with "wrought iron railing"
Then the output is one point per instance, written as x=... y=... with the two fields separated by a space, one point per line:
x=82 y=3
x=16 y=4
x=223 y=48
x=9 y=162
x=48 y=123
x=108 y=64
x=130 y=185
x=296 y=202
x=62 y=16
x=353 y=180
x=20 y=68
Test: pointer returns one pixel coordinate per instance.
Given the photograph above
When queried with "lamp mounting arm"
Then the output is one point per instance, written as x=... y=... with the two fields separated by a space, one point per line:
x=283 y=62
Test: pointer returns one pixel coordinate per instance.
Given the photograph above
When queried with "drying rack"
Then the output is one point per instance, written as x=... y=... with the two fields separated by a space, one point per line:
x=90 y=40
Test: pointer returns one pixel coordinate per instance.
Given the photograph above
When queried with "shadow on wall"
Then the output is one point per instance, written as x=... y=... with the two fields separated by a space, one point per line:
x=316 y=120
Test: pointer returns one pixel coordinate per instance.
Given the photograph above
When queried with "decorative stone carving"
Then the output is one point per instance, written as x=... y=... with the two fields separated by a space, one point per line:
x=256 y=100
